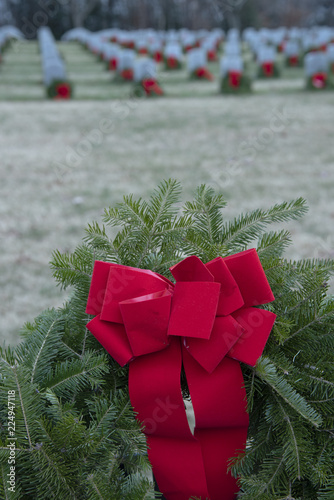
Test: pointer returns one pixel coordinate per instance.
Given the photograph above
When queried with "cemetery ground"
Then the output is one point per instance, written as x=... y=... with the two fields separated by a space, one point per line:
x=62 y=162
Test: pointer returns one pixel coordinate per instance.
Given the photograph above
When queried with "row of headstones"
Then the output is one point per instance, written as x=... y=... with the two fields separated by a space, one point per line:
x=7 y=34
x=153 y=42
x=287 y=40
x=232 y=72
x=53 y=66
x=150 y=40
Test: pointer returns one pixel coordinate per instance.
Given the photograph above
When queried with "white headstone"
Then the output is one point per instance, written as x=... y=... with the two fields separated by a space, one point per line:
x=209 y=43
x=197 y=58
x=173 y=49
x=144 y=68
x=188 y=40
x=228 y=63
x=126 y=59
x=265 y=54
x=315 y=62
x=330 y=52
x=232 y=48
x=291 y=48
x=111 y=51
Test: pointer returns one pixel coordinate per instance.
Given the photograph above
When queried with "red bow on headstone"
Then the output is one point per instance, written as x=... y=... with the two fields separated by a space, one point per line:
x=151 y=87
x=319 y=80
x=268 y=68
x=234 y=78
x=172 y=62
x=206 y=322
x=63 y=91
x=204 y=73
x=127 y=74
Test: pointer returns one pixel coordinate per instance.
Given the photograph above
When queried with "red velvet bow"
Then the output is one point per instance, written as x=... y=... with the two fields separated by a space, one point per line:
x=319 y=80
x=63 y=91
x=172 y=62
x=204 y=73
x=293 y=60
x=212 y=55
x=157 y=56
x=234 y=78
x=208 y=321
x=268 y=68
x=127 y=74
x=113 y=63
x=151 y=87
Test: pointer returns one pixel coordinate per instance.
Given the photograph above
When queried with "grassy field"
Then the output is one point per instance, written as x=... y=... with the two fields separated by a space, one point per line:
x=63 y=162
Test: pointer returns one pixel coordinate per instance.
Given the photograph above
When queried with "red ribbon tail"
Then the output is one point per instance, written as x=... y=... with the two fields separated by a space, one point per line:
x=152 y=87
x=175 y=454
x=204 y=73
x=221 y=422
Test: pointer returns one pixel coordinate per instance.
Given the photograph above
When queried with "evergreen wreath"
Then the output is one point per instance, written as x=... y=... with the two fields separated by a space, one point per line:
x=320 y=81
x=76 y=433
x=59 y=89
x=244 y=85
x=276 y=71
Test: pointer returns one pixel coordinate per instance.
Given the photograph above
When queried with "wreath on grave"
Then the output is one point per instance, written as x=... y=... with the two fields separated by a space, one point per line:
x=60 y=89
x=269 y=70
x=236 y=82
x=148 y=87
x=202 y=73
x=295 y=61
x=320 y=81
x=75 y=430
x=172 y=63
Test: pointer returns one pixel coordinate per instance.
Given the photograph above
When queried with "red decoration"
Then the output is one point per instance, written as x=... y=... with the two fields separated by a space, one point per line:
x=128 y=44
x=208 y=322
x=151 y=87
x=234 y=78
x=319 y=80
x=293 y=60
x=172 y=63
x=281 y=47
x=113 y=63
x=268 y=68
x=212 y=55
x=63 y=91
x=143 y=51
x=157 y=56
x=204 y=73
x=127 y=74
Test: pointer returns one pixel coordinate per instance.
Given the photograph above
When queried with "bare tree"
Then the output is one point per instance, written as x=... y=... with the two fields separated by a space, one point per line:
x=81 y=9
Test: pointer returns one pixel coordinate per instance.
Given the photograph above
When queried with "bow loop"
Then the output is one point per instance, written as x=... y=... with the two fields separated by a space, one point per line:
x=247 y=270
x=127 y=283
x=146 y=321
x=191 y=269
x=230 y=298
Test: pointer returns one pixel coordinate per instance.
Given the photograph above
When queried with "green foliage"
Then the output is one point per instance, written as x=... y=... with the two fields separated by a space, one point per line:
x=77 y=436
x=244 y=87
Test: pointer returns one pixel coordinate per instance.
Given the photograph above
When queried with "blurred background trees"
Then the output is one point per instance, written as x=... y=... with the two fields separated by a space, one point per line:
x=62 y=15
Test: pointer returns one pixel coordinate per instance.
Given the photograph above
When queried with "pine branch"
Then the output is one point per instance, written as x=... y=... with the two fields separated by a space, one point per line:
x=69 y=376
x=247 y=228
x=206 y=214
x=267 y=371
